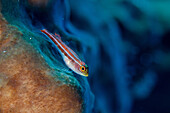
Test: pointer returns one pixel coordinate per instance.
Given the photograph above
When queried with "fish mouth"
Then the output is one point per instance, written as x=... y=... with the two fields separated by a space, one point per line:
x=83 y=74
x=86 y=75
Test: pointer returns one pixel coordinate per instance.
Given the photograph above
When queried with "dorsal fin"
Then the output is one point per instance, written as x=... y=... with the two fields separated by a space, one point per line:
x=58 y=36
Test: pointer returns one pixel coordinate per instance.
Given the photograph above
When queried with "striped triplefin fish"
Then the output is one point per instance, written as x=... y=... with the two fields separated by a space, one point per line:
x=70 y=58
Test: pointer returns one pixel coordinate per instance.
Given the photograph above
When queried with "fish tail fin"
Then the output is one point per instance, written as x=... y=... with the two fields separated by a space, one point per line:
x=43 y=30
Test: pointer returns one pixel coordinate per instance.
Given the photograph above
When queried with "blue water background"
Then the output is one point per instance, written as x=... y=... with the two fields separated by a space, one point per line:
x=124 y=43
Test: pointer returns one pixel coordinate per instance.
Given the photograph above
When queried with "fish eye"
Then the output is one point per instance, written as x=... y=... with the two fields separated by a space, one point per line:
x=82 y=68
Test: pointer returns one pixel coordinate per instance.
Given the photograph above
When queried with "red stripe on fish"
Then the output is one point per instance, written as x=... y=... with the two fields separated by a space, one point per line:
x=69 y=53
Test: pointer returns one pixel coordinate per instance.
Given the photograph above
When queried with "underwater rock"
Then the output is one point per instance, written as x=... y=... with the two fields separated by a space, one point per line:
x=26 y=84
x=38 y=2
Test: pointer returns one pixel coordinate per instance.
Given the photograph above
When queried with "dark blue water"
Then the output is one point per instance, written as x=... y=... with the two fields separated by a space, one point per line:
x=125 y=45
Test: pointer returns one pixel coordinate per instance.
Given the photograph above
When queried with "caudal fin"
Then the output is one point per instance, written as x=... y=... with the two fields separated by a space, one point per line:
x=44 y=30
x=46 y=33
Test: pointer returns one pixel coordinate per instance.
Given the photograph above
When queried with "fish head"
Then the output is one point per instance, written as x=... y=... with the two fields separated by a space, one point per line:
x=81 y=69
x=84 y=70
